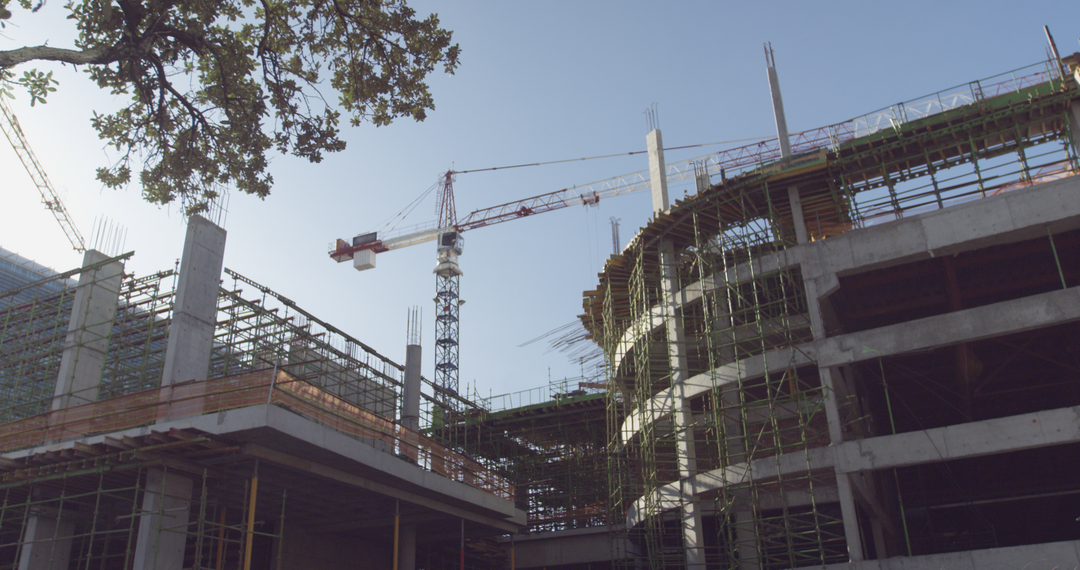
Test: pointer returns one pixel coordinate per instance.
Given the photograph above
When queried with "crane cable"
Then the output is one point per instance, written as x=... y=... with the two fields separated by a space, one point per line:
x=605 y=156
x=404 y=212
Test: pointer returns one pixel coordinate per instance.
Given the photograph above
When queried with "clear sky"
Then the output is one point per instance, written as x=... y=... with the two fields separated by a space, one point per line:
x=539 y=81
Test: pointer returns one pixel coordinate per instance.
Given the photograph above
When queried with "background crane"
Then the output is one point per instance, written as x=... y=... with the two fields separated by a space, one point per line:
x=10 y=126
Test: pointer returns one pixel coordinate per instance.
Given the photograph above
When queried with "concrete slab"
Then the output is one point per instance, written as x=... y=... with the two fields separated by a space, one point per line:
x=894 y=242
x=334 y=452
x=968 y=222
x=1049 y=556
x=1014 y=433
x=1018 y=315
x=729 y=374
x=1014 y=216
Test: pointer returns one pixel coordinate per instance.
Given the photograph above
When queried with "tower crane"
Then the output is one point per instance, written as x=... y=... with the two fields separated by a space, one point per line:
x=363 y=248
x=10 y=126
x=447 y=230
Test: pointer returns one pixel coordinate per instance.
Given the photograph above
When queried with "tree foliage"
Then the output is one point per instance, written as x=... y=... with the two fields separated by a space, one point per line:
x=215 y=85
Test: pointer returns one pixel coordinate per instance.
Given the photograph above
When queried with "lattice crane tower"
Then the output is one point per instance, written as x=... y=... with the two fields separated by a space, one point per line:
x=447 y=289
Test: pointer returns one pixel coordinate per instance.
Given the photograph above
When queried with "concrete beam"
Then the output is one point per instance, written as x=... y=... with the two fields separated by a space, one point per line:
x=797 y=217
x=578 y=546
x=410 y=404
x=778 y=112
x=849 y=516
x=1008 y=317
x=685 y=455
x=407 y=548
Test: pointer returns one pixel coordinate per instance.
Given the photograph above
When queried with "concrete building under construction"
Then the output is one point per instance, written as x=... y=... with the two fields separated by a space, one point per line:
x=168 y=421
x=853 y=347
x=858 y=348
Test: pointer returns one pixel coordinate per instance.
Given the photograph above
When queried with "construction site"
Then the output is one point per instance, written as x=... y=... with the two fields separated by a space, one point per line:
x=852 y=347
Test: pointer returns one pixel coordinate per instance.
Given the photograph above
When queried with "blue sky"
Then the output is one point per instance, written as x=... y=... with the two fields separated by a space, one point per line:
x=539 y=81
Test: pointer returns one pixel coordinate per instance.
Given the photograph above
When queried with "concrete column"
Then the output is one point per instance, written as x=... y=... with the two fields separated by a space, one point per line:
x=191 y=334
x=407 y=547
x=166 y=507
x=746 y=538
x=743 y=509
x=797 y=217
x=46 y=541
x=833 y=395
x=87 y=343
x=693 y=539
x=682 y=416
x=851 y=521
x=785 y=151
x=1074 y=120
x=410 y=404
x=657 y=171
x=778 y=112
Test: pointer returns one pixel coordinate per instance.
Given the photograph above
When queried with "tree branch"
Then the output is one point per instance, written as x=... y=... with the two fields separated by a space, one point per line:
x=96 y=55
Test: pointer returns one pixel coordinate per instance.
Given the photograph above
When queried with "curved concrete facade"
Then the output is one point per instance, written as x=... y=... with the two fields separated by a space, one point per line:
x=869 y=396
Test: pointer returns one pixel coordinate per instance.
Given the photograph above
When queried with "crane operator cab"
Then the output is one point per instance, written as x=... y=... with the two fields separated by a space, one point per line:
x=451 y=245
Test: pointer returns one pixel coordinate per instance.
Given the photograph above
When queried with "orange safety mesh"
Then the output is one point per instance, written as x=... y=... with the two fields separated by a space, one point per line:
x=199 y=397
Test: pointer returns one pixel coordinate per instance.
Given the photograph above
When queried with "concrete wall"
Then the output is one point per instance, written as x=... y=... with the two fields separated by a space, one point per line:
x=302 y=550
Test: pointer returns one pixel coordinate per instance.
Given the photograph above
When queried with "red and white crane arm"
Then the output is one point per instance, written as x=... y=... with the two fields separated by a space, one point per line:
x=590 y=195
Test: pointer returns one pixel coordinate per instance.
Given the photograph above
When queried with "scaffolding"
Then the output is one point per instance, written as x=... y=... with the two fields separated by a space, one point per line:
x=269 y=330
x=753 y=396
x=266 y=351
x=550 y=442
x=34 y=319
x=739 y=418
x=252 y=333
x=86 y=510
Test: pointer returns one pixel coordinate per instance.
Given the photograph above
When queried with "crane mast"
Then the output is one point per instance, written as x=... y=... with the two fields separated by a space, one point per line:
x=447 y=291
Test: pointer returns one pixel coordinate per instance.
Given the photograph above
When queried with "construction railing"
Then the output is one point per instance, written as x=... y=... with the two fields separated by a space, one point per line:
x=267 y=386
